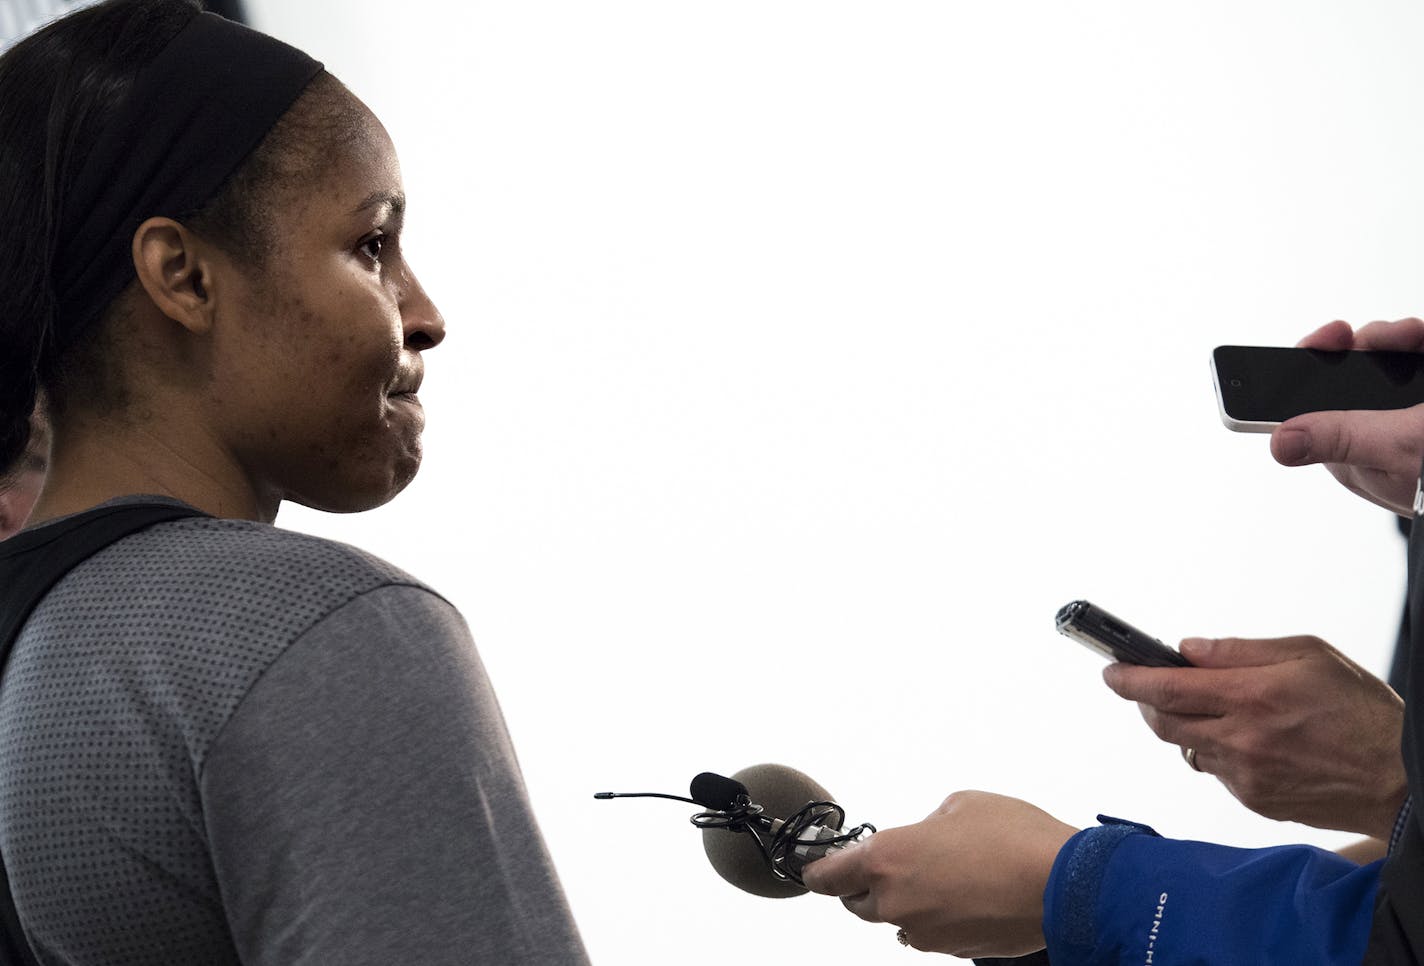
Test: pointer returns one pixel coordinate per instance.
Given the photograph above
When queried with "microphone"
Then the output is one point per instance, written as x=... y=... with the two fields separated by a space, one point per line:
x=746 y=844
x=717 y=793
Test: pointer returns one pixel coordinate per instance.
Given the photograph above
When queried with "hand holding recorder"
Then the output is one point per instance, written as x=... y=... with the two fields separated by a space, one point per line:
x=1294 y=729
x=968 y=880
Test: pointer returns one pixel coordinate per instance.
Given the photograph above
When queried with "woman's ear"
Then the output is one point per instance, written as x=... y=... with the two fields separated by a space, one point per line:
x=175 y=267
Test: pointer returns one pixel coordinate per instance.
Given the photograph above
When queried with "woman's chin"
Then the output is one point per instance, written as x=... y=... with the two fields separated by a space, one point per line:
x=356 y=495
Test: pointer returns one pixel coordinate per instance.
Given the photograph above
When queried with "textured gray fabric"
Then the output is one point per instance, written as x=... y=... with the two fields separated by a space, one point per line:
x=222 y=742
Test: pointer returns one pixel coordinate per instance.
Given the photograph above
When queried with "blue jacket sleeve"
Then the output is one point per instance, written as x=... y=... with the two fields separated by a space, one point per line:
x=1120 y=894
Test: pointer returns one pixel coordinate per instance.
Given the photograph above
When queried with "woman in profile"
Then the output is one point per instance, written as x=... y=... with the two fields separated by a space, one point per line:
x=221 y=742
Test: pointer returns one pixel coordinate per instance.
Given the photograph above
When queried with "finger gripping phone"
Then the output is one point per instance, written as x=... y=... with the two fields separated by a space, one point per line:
x=1260 y=387
x=1114 y=638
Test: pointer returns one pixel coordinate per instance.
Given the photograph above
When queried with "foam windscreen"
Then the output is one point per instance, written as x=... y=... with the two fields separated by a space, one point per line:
x=781 y=791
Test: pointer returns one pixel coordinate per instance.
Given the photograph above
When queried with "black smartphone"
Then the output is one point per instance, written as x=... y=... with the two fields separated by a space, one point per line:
x=1259 y=387
x=1114 y=638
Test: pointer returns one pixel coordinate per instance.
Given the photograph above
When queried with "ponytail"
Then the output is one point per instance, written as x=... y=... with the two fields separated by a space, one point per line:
x=56 y=88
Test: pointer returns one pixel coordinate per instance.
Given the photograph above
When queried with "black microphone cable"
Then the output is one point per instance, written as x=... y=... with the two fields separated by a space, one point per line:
x=784 y=845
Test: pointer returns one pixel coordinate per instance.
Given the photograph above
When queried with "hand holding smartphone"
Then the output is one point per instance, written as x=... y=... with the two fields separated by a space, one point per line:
x=1258 y=387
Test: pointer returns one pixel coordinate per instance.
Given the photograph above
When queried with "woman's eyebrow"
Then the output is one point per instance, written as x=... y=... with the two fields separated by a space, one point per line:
x=395 y=200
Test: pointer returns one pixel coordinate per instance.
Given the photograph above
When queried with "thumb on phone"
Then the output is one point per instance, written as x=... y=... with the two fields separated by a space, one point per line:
x=1374 y=453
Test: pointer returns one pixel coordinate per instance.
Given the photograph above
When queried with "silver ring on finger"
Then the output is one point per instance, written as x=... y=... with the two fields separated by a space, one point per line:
x=1190 y=754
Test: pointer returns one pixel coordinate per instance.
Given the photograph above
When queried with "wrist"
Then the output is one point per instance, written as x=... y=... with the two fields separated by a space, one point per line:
x=1386 y=810
x=1050 y=845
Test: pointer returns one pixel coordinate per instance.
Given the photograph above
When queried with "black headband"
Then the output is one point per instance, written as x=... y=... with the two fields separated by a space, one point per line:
x=194 y=115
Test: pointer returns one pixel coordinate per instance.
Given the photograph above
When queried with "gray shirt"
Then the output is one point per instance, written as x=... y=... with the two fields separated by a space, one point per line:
x=221 y=742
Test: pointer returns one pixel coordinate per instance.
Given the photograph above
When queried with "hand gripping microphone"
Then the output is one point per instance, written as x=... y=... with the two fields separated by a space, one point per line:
x=750 y=847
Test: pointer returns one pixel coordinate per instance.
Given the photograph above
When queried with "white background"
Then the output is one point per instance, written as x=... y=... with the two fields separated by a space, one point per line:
x=804 y=357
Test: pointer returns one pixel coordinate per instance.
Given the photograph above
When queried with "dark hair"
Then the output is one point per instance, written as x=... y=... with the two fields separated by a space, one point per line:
x=57 y=87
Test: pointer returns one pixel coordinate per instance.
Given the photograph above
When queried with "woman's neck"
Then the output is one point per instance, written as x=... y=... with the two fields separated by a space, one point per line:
x=92 y=462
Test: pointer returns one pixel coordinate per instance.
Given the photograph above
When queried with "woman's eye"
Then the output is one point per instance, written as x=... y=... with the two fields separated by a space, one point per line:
x=373 y=246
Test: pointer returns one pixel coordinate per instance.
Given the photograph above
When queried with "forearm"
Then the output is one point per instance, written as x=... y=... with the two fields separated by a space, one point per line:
x=1121 y=894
